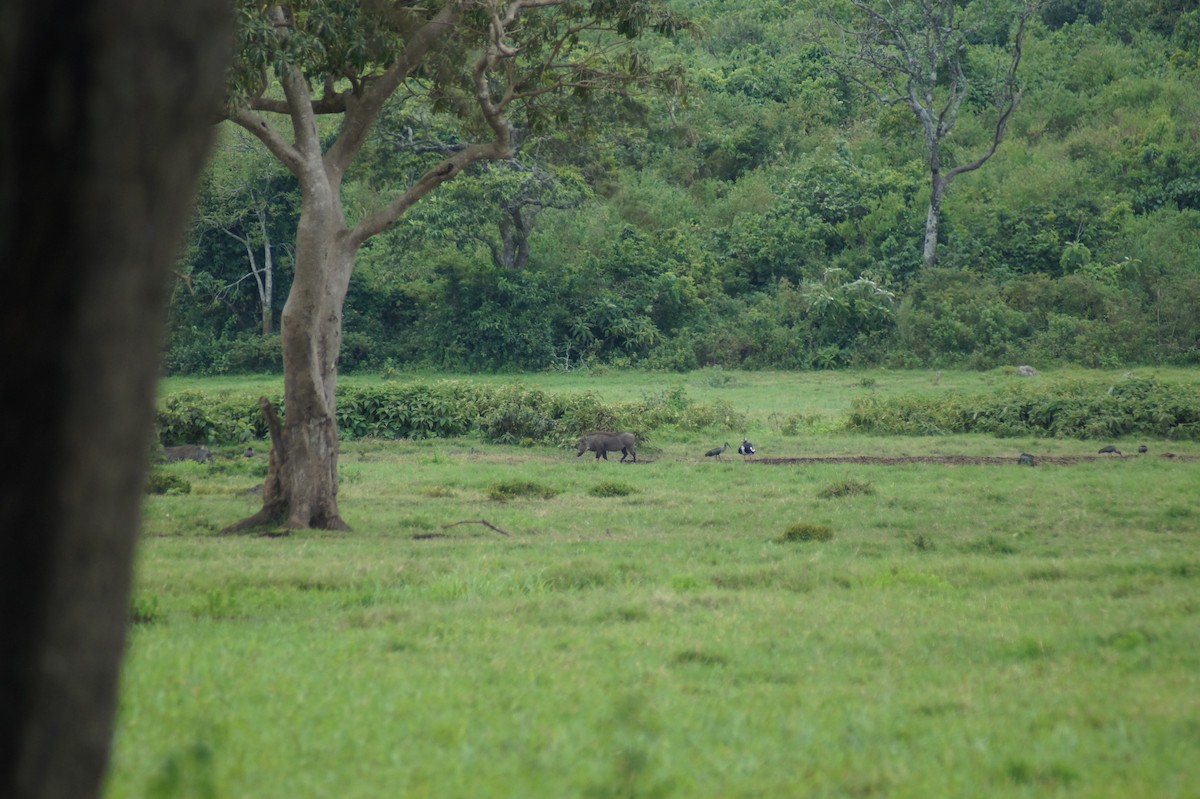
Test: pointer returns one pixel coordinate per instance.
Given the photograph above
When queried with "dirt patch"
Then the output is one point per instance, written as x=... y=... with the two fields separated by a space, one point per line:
x=955 y=460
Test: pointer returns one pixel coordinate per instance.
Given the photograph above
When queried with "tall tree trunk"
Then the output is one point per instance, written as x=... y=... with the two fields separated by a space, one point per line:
x=301 y=487
x=933 y=219
x=97 y=172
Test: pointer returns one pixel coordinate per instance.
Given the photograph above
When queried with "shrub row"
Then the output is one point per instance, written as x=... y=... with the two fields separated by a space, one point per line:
x=1133 y=406
x=506 y=414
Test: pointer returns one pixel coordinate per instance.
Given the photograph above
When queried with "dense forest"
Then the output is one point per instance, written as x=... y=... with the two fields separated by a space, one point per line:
x=767 y=210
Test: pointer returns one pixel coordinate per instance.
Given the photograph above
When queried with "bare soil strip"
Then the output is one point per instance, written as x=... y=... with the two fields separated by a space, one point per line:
x=957 y=460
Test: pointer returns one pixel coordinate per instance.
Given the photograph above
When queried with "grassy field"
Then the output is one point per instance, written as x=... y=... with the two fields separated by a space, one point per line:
x=651 y=629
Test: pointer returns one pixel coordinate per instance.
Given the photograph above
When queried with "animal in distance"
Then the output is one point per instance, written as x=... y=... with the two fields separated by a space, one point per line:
x=603 y=442
x=745 y=448
x=1109 y=450
x=716 y=453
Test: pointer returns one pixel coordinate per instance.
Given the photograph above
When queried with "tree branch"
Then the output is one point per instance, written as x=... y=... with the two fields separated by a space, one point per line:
x=484 y=522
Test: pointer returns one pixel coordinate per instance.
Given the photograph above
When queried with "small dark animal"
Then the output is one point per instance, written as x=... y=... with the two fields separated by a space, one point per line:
x=249 y=453
x=1025 y=460
x=1143 y=449
x=716 y=453
x=745 y=448
x=187 y=452
x=1109 y=450
x=603 y=442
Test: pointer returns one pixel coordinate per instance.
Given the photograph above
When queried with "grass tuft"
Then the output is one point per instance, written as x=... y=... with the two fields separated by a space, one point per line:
x=611 y=488
x=846 y=488
x=520 y=489
x=805 y=531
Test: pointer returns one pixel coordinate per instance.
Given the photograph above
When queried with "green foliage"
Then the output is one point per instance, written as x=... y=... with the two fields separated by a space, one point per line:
x=503 y=414
x=192 y=417
x=758 y=214
x=163 y=483
x=1133 y=406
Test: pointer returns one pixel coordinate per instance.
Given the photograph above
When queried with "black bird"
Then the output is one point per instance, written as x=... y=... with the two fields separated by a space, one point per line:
x=717 y=452
x=1025 y=459
x=745 y=448
x=1109 y=450
x=1143 y=449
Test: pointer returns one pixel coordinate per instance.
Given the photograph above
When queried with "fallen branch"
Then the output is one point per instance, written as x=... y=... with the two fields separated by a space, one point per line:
x=484 y=522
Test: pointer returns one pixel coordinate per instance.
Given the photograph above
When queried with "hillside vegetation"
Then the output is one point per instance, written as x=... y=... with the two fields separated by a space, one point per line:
x=769 y=217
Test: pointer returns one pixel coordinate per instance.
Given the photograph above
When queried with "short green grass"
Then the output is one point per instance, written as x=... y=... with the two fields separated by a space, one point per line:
x=965 y=631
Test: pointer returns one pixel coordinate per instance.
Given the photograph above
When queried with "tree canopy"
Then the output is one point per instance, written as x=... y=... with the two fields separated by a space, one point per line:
x=721 y=220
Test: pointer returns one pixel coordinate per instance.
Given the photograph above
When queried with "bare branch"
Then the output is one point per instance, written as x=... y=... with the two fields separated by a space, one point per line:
x=484 y=522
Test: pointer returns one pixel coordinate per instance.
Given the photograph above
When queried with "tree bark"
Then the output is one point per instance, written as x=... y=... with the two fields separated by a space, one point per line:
x=303 y=472
x=97 y=171
x=933 y=218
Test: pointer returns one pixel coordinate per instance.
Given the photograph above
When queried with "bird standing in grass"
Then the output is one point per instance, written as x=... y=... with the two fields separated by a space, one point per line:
x=1143 y=449
x=1025 y=459
x=716 y=453
x=1109 y=450
x=745 y=448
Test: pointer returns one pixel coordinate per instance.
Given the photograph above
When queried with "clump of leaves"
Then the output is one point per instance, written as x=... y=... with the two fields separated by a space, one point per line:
x=520 y=489
x=159 y=482
x=846 y=488
x=806 y=531
x=611 y=488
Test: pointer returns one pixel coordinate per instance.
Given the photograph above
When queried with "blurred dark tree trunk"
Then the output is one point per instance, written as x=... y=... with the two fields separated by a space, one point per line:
x=107 y=123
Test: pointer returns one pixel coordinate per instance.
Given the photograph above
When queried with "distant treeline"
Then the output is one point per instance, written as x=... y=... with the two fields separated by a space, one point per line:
x=772 y=218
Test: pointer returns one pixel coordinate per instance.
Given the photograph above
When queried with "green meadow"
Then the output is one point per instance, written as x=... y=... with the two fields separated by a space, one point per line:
x=681 y=626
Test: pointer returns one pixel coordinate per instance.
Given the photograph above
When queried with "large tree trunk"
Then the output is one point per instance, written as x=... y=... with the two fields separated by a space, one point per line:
x=933 y=219
x=111 y=103
x=302 y=485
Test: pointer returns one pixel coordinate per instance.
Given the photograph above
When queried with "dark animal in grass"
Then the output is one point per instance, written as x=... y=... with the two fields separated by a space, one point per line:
x=1026 y=459
x=1143 y=449
x=745 y=448
x=187 y=452
x=603 y=442
x=1109 y=450
x=716 y=453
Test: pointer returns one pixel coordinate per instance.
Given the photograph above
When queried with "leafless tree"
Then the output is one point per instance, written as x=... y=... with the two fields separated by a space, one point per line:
x=914 y=53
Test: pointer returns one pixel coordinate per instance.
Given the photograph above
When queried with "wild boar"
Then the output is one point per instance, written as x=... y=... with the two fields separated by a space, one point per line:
x=187 y=452
x=604 y=442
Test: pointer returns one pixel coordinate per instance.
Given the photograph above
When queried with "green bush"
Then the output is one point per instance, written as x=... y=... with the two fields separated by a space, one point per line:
x=161 y=483
x=510 y=414
x=1132 y=406
x=192 y=417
